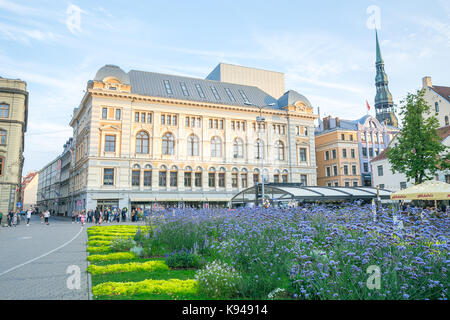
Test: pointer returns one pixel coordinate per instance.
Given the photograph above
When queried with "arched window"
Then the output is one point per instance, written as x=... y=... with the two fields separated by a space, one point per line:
x=279 y=147
x=168 y=144
x=192 y=145
x=238 y=148
x=136 y=176
x=4 y=110
x=446 y=120
x=259 y=149
x=436 y=107
x=2 y=161
x=2 y=137
x=216 y=147
x=142 y=142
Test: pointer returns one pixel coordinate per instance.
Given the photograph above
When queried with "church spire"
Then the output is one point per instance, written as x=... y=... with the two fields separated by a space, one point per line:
x=384 y=106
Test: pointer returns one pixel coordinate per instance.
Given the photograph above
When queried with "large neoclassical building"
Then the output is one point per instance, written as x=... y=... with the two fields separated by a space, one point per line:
x=142 y=138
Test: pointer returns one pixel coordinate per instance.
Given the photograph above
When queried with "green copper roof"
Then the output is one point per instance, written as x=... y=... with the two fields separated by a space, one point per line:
x=379 y=58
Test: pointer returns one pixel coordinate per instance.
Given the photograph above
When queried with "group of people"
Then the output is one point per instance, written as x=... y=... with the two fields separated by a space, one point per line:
x=15 y=217
x=107 y=216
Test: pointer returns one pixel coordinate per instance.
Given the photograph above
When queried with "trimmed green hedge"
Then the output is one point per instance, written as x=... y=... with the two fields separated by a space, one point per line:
x=128 y=267
x=111 y=256
x=172 y=286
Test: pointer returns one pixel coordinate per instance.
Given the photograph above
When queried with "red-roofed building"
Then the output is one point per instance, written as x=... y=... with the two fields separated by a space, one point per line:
x=438 y=97
x=382 y=174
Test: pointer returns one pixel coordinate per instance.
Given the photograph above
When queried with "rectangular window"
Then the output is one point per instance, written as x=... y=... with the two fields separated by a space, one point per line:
x=380 y=170
x=354 y=170
x=135 y=178
x=230 y=94
x=371 y=152
x=184 y=88
x=149 y=118
x=216 y=124
x=284 y=178
x=364 y=152
x=244 y=97
x=343 y=137
x=335 y=170
x=168 y=87
x=198 y=179
x=234 y=180
x=117 y=114
x=352 y=152
x=381 y=186
x=174 y=120
x=221 y=124
x=366 y=167
x=108 y=177
x=347 y=183
x=215 y=93
x=328 y=171
x=169 y=120
x=402 y=185
x=187 y=179
x=210 y=123
x=344 y=153
x=200 y=91
x=336 y=184
x=355 y=183
x=232 y=125
x=143 y=117
x=163 y=119
x=346 y=170
x=244 y=180
x=222 y=180
x=255 y=178
x=173 y=178
x=302 y=153
x=162 y=178
x=198 y=123
x=327 y=155
x=136 y=117
x=193 y=122
x=187 y=122
x=334 y=153
x=276 y=178
x=110 y=143
x=303 y=179
x=211 y=179
x=4 y=110
x=147 y=178
x=104 y=113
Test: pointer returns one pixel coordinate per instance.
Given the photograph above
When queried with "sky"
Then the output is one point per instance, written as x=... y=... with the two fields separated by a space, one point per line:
x=326 y=49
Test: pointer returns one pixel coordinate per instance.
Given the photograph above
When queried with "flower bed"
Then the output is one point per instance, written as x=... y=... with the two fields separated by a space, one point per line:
x=128 y=267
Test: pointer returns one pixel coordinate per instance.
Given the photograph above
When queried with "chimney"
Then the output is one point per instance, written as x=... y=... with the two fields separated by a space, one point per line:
x=326 y=123
x=337 y=122
x=426 y=82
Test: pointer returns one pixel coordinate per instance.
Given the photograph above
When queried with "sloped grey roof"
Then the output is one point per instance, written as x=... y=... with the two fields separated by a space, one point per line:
x=110 y=70
x=152 y=84
x=291 y=97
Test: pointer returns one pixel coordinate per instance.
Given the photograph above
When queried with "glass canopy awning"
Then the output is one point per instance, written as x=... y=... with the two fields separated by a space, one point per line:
x=284 y=192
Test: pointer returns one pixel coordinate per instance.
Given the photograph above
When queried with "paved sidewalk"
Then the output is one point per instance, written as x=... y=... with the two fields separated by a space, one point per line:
x=46 y=277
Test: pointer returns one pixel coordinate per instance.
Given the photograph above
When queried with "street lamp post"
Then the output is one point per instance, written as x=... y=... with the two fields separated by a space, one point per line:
x=260 y=119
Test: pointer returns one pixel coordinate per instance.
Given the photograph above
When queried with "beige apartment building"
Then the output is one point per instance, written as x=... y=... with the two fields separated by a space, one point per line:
x=438 y=97
x=13 y=124
x=337 y=155
x=143 y=138
x=30 y=190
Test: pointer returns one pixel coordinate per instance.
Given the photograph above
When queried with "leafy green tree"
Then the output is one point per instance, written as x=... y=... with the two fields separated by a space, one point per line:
x=418 y=152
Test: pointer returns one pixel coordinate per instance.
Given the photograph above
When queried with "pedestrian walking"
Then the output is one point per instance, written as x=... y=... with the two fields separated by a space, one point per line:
x=29 y=212
x=73 y=216
x=14 y=219
x=83 y=217
x=46 y=216
x=97 y=216
x=124 y=214
x=42 y=217
x=1 y=218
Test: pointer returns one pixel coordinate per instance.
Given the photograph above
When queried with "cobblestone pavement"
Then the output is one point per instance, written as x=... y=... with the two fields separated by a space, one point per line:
x=51 y=250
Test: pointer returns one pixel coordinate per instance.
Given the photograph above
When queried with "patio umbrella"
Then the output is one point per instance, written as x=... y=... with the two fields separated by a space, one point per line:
x=429 y=190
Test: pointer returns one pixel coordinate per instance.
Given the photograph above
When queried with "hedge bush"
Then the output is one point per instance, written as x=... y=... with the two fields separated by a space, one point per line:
x=98 y=249
x=172 y=286
x=99 y=242
x=128 y=267
x=111 y=256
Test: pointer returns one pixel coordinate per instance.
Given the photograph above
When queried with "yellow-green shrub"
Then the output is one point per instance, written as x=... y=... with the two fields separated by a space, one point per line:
x=99 y=243
x=111 y=256
x=172 y=286
x=98 y=249
x=128 y=267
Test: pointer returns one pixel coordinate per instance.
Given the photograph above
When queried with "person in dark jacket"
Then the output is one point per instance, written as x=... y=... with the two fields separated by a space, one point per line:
x=97 y=216
x=124 y=214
